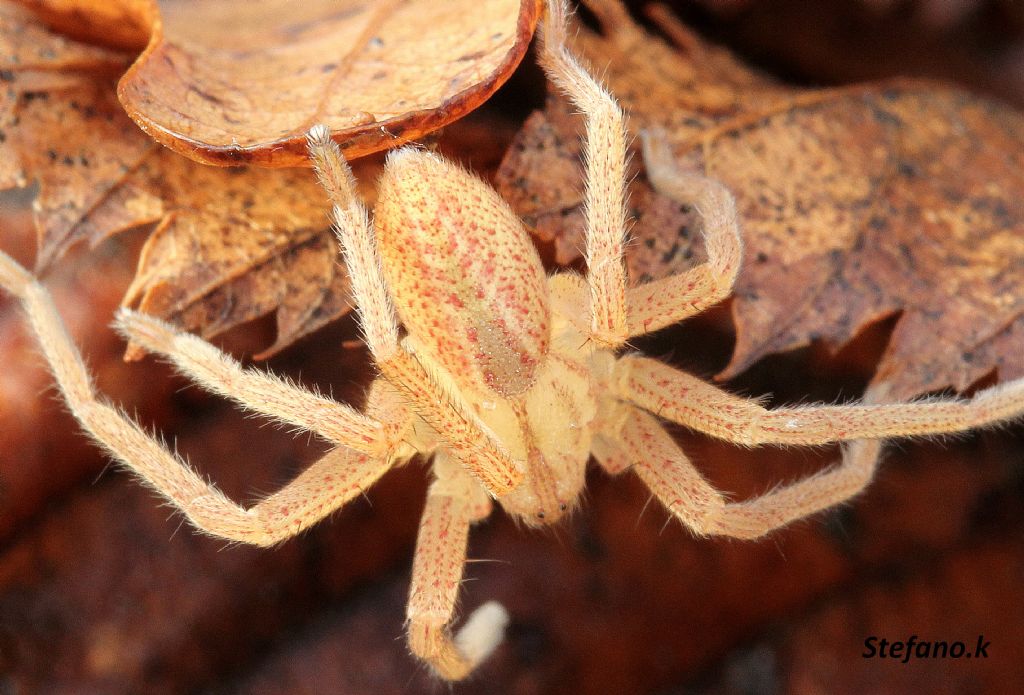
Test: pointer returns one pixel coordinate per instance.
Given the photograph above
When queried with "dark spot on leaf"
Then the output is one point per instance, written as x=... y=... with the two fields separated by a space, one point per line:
x=907 y=254
x=888 y=118
x=907 y=169
x=206 y=96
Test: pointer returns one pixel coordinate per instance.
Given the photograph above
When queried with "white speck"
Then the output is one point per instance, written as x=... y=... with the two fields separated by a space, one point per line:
x=482 y=632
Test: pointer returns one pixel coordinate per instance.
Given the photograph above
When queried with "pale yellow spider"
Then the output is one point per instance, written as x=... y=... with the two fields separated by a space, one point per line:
x=507 y=379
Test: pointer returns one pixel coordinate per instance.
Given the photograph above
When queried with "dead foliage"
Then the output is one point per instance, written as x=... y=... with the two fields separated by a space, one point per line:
x=240 y=82
x=857 y=203
x=227 y=246
x=101 y=591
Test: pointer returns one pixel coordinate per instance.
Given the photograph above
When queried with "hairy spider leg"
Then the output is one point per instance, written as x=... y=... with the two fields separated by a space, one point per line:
x=689 y=401
x=260 y=391
x=666 y=301
x=630 y=439
x=454 y=502
x=605 y=165
x=468 y=438
x=663 y=466
x=325 y=486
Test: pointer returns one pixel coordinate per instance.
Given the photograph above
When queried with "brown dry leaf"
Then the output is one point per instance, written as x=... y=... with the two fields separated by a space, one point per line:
x=32 y=62
x=230 y=245
x=240 y=82
x=121 y=24
x=857 y=203
x=238 y=244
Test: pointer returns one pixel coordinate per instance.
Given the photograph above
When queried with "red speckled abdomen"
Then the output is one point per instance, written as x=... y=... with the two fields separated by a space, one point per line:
x=466 y=279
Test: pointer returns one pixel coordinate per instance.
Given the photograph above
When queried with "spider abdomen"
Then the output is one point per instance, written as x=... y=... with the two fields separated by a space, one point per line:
x=466 y=279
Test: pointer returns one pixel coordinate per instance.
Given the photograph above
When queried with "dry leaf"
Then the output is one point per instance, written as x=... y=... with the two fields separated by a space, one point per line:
x=857 y=203
x=33 y=61
x=120 y=24
x=101 y=592
x=237 y=244
x=230 y=245
x=240 y=82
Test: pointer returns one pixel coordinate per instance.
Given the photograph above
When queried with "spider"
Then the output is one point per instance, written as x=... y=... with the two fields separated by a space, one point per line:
x=509 y=380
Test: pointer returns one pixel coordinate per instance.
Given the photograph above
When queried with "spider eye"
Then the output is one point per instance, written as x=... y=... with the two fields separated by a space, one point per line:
x=562 y=507
x=540 y=515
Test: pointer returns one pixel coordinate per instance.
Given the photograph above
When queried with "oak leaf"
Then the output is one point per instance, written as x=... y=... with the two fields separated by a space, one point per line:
x=228 y=246
x=857 y=203
x=241 y=81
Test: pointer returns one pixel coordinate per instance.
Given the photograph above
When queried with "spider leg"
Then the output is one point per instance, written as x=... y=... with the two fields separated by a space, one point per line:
x=668 y=473
x=258 y=390
x=605 y=155
x=322 y=488
x=451 y=507
x=467 y=437
x=669 y=300
x=687 y=400
x=608 y=453
x=328 y=484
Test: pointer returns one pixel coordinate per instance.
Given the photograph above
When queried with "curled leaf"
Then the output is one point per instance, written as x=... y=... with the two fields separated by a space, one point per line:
x=118 y=24
x=230 y=245
x=238 y=244
x=60 y=125
x=240 y=82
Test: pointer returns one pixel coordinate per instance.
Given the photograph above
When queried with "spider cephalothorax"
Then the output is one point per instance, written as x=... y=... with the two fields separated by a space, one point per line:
x=506 y=380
